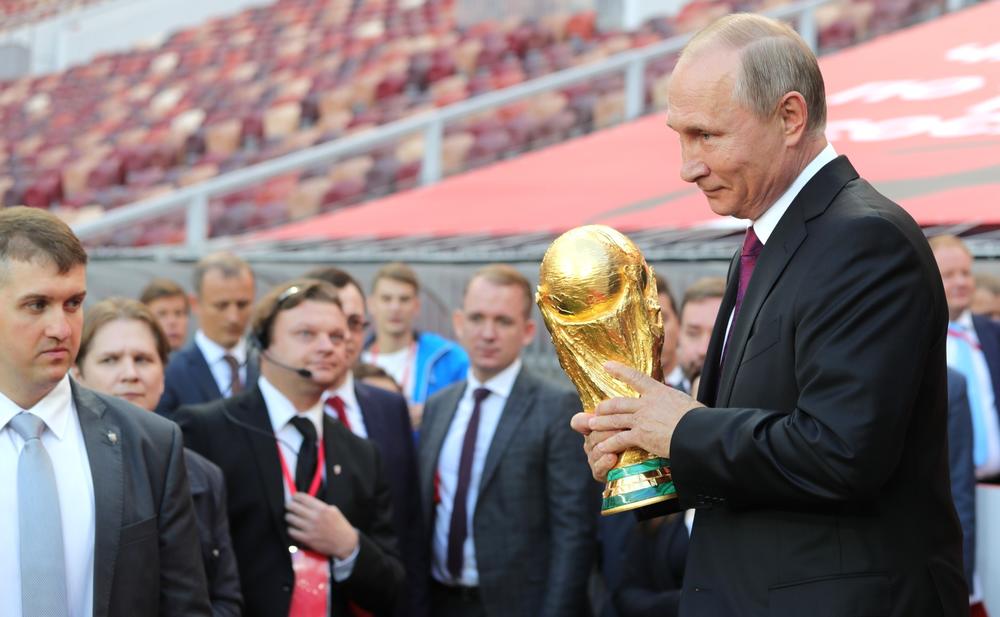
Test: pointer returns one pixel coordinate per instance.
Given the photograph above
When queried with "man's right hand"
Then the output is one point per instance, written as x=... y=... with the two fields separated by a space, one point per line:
x=600 y=462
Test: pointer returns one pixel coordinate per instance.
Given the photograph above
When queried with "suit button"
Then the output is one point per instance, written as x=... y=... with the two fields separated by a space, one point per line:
x=286 y=588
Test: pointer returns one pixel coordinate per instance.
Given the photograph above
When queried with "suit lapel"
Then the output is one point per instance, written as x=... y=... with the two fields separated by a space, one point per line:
x=249 y=408
x=337 y=489
x=200 y=374
x=374 y=422
x=789 y=234
x=432 y=434
x=104 y=450
x=521 y=397
x=709 y=385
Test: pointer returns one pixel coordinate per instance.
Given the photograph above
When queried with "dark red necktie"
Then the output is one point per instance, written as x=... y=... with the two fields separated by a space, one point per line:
x=338 y=407
x=752 y=247
x=458 y=528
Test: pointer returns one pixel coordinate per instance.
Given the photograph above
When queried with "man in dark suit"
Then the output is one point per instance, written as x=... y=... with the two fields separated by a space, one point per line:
x=92 y=490
x=331 y=520
x=962 y=468
x=217 y=362
x=973 y=350
x=384 y=418
x=503 y=483
x=817 y=455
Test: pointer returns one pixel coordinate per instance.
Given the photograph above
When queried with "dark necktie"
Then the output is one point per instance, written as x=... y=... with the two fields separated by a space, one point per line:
x=305 y=466
x=752 y=247
x=458 y=528
x=235 y=383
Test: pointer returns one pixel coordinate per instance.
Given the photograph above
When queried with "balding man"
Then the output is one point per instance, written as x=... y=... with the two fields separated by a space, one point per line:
x=816 y=453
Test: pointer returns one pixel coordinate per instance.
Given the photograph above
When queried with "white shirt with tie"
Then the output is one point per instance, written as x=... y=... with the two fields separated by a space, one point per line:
x=351 y=406
x=490 y=411
x=63 y=440
x=281 y=411
x=215 y=354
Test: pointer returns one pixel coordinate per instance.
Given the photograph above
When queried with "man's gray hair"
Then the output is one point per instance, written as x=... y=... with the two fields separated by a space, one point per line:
x=774 y=60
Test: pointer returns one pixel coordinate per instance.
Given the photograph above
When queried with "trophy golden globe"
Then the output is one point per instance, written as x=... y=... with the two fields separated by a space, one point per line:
x=599 y=302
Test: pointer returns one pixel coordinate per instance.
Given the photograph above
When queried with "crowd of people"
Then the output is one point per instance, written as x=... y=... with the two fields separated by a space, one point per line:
x=307 y=452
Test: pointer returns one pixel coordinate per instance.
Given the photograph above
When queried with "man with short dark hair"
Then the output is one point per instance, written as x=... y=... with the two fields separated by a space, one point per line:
x=94 y=492
x=169 y=303
x=218 y=362
x=672 y=373
x=383 y=417
x=309 y=505
x=422 y=363
x=816 y=453
x=503 y=484
x=699 y=309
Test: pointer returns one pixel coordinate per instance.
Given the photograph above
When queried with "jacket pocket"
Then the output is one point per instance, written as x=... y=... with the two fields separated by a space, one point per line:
x=138 y=531
x=854 y=595
x=764 y=337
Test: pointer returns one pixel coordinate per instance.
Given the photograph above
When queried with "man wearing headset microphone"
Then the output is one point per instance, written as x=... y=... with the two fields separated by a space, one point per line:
x=309 y=505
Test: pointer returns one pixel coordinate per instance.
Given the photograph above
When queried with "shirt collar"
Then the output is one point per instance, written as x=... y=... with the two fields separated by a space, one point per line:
x=53 y=409
x=765 y=224
x=346 y=392
x=500 y=384
x=214 y=352
x=281 y=410
x=965 y=320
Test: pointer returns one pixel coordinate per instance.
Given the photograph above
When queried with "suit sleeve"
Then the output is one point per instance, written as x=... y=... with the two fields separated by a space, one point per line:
x=378 y=576
x=224 y=588
x=962 y=467
x=572 y=513
x=183 y=590
x=865 y=321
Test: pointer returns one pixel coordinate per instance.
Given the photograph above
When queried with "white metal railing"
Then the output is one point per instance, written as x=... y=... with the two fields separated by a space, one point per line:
x=194 y=199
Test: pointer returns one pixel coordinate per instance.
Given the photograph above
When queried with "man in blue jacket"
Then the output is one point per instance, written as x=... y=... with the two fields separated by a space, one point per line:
x=421 y=362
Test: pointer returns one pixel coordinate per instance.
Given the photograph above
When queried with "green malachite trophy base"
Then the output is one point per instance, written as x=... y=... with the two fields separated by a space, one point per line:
x=637 y=486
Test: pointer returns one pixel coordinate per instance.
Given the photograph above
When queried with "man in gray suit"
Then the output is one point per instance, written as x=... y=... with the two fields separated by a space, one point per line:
x=511 y=512
x=95 y=511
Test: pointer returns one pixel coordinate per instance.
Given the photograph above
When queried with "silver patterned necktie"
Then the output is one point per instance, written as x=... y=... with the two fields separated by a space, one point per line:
x=43 y=561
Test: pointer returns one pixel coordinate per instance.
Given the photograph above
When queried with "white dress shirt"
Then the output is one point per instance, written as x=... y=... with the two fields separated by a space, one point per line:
x=214 y=354
x=766 y=223
x=351 y=406
x=281 y=411
x=448 y=461
x=980 y=385
x=63 y=440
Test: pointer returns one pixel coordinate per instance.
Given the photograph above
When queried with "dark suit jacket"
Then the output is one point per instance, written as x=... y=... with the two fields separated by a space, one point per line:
x=821 y=462
x=653 y=569
x=534 y=523
x=387 y=420
x=146 y=559
x=188 y=379
x=236 y=435
x=208 y=491
x=962 y=466
x=988 y=333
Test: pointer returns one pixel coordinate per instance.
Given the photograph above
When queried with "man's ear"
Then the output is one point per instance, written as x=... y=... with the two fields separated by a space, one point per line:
x=794 y=115
x=457 y=322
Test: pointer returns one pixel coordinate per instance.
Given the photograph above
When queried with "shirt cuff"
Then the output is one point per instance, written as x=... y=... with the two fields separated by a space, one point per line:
x=342 y=568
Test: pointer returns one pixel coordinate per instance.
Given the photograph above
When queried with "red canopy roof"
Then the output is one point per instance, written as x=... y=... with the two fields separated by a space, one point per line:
x=918 y=113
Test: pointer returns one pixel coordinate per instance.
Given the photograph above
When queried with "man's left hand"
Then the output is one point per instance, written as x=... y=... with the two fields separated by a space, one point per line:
x=320 y=526
x=648 y=421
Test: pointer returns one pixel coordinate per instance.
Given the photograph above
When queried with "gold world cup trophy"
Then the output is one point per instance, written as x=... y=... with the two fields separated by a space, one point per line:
x=598 y=298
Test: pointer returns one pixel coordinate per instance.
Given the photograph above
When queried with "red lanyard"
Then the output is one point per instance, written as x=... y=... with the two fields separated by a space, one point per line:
x=406 y=367
x=317 y=477
x=959 y=334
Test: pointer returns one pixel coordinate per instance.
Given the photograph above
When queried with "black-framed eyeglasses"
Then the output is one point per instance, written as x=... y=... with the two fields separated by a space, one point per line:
x=357 y=323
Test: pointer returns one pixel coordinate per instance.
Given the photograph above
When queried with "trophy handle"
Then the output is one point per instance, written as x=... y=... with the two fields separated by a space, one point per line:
x=639 y=479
